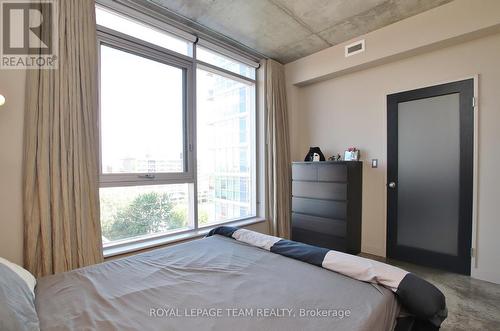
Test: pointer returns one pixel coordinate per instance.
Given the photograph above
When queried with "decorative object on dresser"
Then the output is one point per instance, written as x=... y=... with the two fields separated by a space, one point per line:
x=326 y=204
x=352 y=154
x=335 y=158
x=312 y=151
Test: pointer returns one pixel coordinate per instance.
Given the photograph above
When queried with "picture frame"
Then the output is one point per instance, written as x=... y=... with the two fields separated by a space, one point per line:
x=351 y=155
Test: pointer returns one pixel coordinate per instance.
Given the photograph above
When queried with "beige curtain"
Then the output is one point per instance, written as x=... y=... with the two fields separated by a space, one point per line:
x=278 y=151
x=61 y=203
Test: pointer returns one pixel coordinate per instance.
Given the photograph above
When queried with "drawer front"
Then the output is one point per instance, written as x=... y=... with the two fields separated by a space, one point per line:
x=319 y=224
x=320 y=208
x=320 y=190
x=304 y=172
x=319 y=239
x=332 y=172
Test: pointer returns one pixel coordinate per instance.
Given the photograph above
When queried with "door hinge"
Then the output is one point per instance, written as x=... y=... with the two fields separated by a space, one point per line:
x=190 y=147
x=472 y=252
x=473 y=102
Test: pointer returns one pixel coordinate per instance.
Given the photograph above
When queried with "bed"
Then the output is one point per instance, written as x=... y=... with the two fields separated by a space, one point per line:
x=215 y=283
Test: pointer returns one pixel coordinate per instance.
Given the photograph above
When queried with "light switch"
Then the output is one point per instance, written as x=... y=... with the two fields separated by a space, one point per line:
x=374 y=163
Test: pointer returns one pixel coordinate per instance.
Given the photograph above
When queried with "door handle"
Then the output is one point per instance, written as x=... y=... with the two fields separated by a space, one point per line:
x=392 y=185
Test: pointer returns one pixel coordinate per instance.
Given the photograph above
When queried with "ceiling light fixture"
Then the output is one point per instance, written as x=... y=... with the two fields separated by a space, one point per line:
x=2 y=100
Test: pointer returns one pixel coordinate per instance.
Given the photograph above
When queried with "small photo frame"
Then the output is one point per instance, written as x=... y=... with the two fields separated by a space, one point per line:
x=351 y=155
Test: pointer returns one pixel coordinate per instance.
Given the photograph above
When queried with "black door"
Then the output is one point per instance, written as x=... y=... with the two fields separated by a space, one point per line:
x=430 y=175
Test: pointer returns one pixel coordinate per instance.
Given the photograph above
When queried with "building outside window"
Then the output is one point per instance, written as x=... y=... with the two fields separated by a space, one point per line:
x=225 y=113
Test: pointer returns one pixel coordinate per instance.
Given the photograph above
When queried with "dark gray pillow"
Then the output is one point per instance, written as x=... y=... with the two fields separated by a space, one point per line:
x=17 y=303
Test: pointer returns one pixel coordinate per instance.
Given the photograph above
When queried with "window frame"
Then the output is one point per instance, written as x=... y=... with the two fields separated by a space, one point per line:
x=135 y=46
x=254 y=162
x=223 y=55
x=125 y=43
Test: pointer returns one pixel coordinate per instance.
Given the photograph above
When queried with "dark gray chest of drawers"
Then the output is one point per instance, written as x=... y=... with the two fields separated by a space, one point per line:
x=326 y=204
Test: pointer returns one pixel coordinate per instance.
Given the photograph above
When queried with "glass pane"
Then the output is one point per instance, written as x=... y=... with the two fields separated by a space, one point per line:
x=224 y=62
x=142 y=31
x=141 y=114
x=142 y=211
x=428 y=173
x=226 y=148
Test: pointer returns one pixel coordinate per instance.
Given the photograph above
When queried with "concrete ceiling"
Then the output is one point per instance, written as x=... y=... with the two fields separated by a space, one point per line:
x=287 y=30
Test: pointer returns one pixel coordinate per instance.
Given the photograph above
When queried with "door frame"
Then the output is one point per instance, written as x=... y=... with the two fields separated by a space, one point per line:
x=468 y=176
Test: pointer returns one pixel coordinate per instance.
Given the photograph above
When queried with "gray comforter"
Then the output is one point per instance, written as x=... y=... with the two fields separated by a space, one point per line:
x=215 y=283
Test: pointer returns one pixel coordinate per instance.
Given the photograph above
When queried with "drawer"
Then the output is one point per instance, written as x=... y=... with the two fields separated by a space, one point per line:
x=320 y=208
x=319 y=239
x=320 y=190
x=332 y=172
x=319 y=224
x=304 y=172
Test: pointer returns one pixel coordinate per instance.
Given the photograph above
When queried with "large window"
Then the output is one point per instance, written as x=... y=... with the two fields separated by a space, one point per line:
x=156 y=179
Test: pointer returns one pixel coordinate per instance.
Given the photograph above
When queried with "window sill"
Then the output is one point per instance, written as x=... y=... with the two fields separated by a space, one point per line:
x=124 y=248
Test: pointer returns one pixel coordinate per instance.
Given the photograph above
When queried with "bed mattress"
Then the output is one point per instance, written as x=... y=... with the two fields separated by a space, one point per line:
x=215 y=283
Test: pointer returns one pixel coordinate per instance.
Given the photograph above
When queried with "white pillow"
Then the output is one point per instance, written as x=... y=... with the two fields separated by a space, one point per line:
x=21 y=272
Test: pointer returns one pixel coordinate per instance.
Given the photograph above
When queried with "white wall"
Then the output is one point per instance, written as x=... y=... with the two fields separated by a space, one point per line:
x=350 y=110
x=11 y=142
